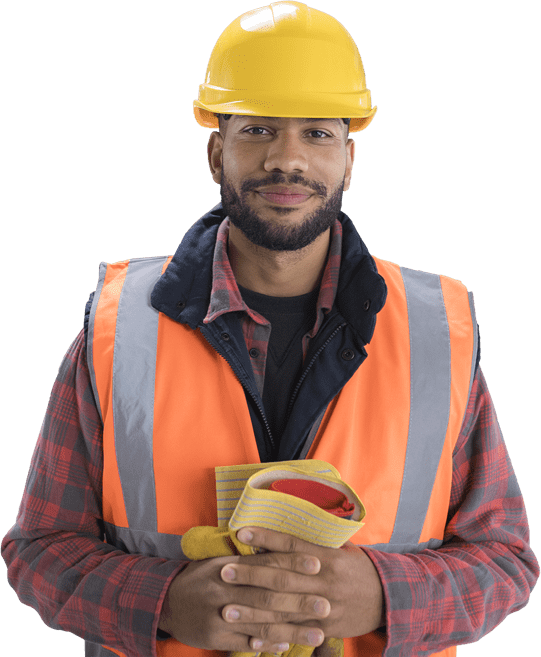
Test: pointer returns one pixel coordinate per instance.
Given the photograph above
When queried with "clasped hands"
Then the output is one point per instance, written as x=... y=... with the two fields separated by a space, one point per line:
x=293 y=593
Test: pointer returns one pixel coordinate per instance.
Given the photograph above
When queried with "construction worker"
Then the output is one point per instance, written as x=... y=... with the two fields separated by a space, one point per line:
x=273 y=335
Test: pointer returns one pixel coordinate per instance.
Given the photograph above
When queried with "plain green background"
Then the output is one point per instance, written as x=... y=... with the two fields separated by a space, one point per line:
x=101 y=159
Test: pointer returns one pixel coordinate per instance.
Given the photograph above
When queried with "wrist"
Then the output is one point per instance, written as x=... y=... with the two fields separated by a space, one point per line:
x=165 y=622
x=166 y=615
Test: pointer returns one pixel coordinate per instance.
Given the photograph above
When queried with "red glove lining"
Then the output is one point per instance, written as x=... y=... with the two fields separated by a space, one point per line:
x=325 y=497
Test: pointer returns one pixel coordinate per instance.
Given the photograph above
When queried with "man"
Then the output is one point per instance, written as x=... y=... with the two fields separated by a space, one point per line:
x=210 y=380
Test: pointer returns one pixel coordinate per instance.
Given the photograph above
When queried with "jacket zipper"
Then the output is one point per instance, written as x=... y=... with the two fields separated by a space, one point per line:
x=252 y=395
x=312 y=361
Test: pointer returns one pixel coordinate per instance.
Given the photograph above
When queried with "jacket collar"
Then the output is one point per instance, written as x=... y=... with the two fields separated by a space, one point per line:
x=183 y=291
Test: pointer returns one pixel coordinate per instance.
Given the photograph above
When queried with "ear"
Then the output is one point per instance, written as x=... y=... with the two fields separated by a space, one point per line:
x=214 y=152
x=350 y=156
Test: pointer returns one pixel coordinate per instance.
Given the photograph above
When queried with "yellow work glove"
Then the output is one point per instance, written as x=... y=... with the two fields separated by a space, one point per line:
x=207 y=542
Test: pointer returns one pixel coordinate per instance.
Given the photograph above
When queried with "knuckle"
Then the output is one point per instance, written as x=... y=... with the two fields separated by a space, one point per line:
x=282 y=602
x=247 y=615
x=265 y=631
x=281 y=580
x=266 y=559
x=306 y=603
x=290 y=543
x=267 y=599
x=247 y=575
x=281 y=616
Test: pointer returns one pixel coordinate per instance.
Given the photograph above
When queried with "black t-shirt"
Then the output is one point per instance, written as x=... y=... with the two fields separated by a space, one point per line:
x=290 y=318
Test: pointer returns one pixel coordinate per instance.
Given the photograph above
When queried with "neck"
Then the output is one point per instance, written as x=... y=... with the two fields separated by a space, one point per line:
x=277 y=273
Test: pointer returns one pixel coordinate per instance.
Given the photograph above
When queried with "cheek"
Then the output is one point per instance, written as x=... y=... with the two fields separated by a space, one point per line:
x=331 y=167
x=241 y=161
x=331 y=177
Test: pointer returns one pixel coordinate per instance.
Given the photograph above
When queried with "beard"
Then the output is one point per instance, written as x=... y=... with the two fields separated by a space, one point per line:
x=269 y=235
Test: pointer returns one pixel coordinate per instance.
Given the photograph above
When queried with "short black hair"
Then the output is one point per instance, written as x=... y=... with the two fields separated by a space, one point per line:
x=226 y=117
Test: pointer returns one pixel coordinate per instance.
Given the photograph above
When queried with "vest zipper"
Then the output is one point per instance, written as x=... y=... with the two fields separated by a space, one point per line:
x=252 y=395
x=312 y=361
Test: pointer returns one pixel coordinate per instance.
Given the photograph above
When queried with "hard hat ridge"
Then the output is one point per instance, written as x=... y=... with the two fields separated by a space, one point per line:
x=285 y=60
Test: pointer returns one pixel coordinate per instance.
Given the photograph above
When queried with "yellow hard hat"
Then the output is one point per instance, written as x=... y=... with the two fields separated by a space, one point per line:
x=286 y=60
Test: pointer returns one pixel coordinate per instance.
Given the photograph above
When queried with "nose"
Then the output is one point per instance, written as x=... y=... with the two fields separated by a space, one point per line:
x=286 y=153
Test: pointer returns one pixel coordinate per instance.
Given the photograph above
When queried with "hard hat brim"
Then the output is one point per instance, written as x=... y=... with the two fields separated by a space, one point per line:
x=207 y=118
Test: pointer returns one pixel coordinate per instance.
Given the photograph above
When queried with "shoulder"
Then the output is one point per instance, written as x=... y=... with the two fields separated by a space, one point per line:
x=394 y=272
x=123 y=276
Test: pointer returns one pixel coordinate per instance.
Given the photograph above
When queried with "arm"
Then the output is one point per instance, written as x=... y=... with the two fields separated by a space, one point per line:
x=485 y=569
x=57 y=560
x=59 y=565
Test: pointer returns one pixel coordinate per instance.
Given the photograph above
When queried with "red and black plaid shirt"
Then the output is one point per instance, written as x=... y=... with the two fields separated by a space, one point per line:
x=59 y=565
x=225 y=297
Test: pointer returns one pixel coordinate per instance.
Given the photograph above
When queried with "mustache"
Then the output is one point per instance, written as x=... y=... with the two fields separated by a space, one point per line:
x=279 y=179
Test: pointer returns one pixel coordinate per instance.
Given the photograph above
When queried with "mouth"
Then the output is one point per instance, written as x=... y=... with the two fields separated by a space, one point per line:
x=284 y=199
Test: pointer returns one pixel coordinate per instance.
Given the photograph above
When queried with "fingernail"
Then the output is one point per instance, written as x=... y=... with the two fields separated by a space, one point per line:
x=311 y=565
x=321 y=607
x=245 y=536
x=283 y=647
x=229 y=573
x=232 y=614
x=257 y=644
x=314 y=638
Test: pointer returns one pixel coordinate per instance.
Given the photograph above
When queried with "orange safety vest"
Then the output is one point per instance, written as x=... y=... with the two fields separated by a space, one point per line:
x=173 y=410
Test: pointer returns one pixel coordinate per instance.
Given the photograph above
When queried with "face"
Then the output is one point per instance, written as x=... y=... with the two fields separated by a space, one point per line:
x=282 y=179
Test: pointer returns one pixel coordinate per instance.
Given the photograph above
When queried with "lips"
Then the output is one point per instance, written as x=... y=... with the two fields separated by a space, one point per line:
x=285 y=195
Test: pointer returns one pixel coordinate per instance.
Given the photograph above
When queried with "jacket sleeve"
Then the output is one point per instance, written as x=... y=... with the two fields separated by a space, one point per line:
x=485 y=568
x=57 y=560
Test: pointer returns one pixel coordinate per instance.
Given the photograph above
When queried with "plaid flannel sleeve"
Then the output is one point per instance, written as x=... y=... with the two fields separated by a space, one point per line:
x=57 y=560
x=485 y=568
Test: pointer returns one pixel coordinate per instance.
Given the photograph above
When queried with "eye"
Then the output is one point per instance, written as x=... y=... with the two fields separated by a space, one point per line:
x=324 y=134
x=255 y=128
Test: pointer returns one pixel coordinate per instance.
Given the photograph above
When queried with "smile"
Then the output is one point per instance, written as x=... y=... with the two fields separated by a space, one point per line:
x=284 y=199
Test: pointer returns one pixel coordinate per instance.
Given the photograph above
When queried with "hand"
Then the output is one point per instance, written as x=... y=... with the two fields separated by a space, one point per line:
x=196 y=606
x=347 y=579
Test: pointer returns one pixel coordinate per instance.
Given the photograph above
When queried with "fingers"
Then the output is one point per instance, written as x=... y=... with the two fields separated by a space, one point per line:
x=273 y=637
x=289 y=608
x=275 y=602
x=264 y=577
x=273 y=610
x=305 y=564
x=274 y=541
x=242 y=643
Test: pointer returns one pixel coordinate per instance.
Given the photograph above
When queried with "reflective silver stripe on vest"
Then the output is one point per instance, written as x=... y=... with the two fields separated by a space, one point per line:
x=154 y=544
x=151 y=544
x=90 y=336
x=406 y=548
x=134 y=370
x=430 y=367
x=475 y=344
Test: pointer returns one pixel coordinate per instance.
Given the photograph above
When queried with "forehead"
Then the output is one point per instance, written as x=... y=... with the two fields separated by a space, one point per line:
x=281 y=119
